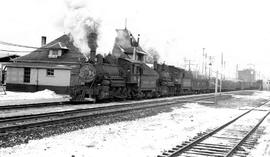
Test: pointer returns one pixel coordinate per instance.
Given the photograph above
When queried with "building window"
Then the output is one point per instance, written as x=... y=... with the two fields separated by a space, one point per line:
x=55 y=53
x=26 y=76
x=50 y=72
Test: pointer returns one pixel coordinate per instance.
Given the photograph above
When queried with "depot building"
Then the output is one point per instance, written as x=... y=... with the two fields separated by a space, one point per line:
x=53 y=67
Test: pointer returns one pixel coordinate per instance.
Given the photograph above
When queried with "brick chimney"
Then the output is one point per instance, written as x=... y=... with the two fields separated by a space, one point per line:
x=43 y=41
x=155 y=65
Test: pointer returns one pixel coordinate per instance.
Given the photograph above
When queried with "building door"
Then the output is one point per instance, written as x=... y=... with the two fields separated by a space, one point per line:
x=26 y=75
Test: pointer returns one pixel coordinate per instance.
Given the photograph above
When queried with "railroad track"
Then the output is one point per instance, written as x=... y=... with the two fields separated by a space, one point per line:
x=14 y=124
x=64 y=103
x=230 y=139
x=34 y=105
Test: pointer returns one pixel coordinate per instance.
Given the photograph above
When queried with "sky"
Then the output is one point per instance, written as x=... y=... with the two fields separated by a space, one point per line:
x=177 y=29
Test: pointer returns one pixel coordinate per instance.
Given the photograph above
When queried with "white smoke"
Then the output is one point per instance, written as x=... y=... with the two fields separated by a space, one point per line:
x=123 y=39
x=79 y=23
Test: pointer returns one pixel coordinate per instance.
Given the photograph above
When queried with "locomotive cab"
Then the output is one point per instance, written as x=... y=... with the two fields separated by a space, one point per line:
x=166 y=84
x=177 y=76
x=140 y=79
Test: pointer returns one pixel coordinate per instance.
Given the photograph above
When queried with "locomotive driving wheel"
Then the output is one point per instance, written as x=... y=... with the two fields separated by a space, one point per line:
x=77 y=93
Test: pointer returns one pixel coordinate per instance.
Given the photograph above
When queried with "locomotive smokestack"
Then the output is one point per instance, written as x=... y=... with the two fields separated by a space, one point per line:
x=155 y=64
x=43 y=41
x=92 y=43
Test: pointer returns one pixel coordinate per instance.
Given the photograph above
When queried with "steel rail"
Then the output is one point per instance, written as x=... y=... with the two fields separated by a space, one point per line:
x=63 y=103
x=78 y=113
x=34 y=105
x=20 y=117
x=230 y=153
x=60 y=103
x=188 y=146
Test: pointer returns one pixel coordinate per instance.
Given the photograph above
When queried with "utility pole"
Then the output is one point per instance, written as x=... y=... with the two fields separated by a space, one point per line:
x=197 y=71
x=203 y=62
x=185 y=64
x=210 y=64
x=221 y=71
x=189 y=63
x=224 y=67
x=205 y=65
x=236 y=72
x=216 y=87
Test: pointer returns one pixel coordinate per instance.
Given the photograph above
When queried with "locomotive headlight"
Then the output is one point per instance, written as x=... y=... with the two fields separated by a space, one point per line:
x=87 y=73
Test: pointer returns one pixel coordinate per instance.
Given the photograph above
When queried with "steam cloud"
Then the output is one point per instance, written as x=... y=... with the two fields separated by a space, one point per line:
x=123 y=39
x=83 y=28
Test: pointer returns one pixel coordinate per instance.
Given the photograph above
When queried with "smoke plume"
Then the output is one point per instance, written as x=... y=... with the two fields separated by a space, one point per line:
x=123 y=39
x=83 y=28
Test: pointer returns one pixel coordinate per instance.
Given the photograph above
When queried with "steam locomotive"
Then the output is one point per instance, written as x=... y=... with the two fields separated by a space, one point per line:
x=124 y=78
x=127 y=76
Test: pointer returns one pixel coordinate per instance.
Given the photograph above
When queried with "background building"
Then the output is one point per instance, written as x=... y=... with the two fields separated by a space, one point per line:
x=247 y=75
x=122 y=46
x=5 y=58
x=54 y=66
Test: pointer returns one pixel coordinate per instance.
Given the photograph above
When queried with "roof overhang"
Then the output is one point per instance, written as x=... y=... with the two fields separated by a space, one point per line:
x=132 y=61
x=39 y=66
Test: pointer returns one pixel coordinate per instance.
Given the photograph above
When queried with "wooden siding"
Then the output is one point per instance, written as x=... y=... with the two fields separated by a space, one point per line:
x=39 y=77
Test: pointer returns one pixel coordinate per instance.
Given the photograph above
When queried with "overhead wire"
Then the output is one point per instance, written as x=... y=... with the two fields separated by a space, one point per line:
x=18 y=45
x=3 y=50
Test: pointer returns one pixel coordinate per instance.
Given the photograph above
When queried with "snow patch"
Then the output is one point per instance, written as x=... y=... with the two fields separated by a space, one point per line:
x=263 y=148
x=254 y=96
x=45 y=94
x=142 y=137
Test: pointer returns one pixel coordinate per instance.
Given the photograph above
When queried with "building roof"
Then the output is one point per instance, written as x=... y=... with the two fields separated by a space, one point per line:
x=129 y=50
x=72 y=54
x=39 y=65
x=7 y=57
x=132 y=61
x=122 y=43
x=58 y=45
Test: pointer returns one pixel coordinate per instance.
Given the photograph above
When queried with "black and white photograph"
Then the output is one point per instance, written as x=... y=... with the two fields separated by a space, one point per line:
x=135 y=78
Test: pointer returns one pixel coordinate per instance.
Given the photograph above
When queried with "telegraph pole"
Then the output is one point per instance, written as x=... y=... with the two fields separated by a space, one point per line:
x=236 y=72
x=221 y=75
x=210 y=64
x=216 y=87
x=189 y=63
x=203 y=62
x=224 y=66
x=205 y=65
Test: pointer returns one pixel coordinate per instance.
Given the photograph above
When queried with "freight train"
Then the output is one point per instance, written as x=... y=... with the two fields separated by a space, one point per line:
x=124 y=78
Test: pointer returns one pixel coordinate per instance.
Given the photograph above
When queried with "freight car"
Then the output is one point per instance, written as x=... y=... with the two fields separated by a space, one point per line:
x=200 y=85
x=187 y=82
